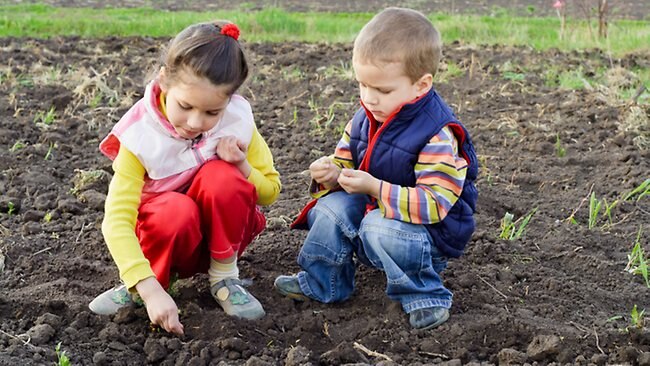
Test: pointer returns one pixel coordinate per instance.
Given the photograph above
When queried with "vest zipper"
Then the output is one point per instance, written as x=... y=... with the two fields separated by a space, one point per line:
x=195 y=150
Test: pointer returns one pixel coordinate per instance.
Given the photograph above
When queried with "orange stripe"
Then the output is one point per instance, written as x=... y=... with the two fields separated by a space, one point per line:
x=446 y=185
x=343 y=154
x=385 y=196
x=442 y=213
x=449 y=185
x=415 y=214
x=436 y=158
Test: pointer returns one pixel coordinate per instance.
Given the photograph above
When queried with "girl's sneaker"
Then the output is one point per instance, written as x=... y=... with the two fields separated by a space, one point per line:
x=235 y=300
x=110 y=301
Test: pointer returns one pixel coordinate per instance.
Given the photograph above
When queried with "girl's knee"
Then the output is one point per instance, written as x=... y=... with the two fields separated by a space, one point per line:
x=177 y=214
x=219 y=172
x=220 y=178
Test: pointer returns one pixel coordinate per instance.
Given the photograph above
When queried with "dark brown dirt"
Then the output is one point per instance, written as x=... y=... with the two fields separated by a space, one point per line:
x=558 y=295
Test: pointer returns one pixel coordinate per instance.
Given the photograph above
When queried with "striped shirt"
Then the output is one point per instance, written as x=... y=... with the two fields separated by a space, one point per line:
x=440 y=174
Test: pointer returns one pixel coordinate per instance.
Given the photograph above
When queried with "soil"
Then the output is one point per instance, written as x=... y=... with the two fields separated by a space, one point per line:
x=560 y=294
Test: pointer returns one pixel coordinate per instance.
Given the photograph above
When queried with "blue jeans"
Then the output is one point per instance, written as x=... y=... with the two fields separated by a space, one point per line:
x=405 y=252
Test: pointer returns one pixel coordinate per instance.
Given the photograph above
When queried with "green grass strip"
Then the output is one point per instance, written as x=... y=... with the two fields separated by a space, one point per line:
x=275 y=25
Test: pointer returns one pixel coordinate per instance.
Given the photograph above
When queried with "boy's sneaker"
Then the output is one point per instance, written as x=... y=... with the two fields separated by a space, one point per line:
x=110 y=301
x=289 y=287
x=235 y=300
x=428 y=318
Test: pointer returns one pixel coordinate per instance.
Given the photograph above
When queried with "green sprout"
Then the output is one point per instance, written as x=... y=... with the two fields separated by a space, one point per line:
x=637 y=318
x=559 y=150
x=25 y=80
x=339 y=130
x=452 y=71
x=511 y=230
x=84 y=179
x=637 y=263
x=46 y=118
x=48 y=216
x=17 y=146
x=594 y=209
x=642 y=190
x=64 y=360
x=48 y=155
x=608 y=211
x=314 y=107
x=331 y=112
x=95 y=101
x=514 y=76
x=293 y=74
x=11 y=208
x=343 y=71
x=294 y=120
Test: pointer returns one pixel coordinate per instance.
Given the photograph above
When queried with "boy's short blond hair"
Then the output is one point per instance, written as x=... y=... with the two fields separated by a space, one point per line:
x=400 y=35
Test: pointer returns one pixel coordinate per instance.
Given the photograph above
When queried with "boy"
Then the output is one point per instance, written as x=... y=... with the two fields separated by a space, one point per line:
x=399 y=191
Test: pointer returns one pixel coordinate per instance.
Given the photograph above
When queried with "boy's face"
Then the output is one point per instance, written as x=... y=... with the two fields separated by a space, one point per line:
x=194 y=104
x=385 y=87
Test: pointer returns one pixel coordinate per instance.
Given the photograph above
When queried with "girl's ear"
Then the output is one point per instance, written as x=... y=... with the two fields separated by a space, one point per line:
x=162 y=79
x=424 y=84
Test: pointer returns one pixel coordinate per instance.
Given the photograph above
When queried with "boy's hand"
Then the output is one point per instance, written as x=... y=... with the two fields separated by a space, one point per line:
x=324 y=172
x=359 y=181
x=232 y=150
x=161 y=308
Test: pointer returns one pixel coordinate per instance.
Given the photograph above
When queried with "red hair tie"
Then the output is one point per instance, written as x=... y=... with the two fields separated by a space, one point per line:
x=230 y=30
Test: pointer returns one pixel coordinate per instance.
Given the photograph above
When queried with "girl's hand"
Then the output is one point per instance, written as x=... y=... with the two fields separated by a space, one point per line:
x=232 y=150
x=161 y=308
x=325 y=172
x=359 y=181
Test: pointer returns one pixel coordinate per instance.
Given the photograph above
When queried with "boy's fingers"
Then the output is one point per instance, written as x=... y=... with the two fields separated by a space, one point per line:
x=324 y=161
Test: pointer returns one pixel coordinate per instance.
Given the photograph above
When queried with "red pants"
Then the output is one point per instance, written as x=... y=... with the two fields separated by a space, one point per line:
x=216 y=218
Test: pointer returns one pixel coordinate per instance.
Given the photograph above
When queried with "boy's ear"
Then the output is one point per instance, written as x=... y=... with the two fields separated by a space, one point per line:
x=424 y=84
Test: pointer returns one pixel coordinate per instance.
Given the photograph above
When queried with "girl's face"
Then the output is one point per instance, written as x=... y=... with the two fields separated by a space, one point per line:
x=194 y=104
x=384 y=88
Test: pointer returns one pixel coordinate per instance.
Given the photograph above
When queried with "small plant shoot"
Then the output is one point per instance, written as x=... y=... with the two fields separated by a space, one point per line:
x=637 y=263
x=510 y=229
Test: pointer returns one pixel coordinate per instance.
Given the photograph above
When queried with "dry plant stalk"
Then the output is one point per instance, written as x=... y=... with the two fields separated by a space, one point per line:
x=371 y=353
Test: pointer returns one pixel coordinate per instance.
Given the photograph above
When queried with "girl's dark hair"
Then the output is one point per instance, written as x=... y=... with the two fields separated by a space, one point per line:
x=203 y=50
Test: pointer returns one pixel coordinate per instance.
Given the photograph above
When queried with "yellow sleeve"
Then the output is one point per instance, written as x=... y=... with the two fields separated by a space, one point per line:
x=263 y=174
x=120 y=216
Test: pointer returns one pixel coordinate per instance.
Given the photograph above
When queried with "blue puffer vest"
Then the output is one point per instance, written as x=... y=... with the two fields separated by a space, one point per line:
x=392 y=153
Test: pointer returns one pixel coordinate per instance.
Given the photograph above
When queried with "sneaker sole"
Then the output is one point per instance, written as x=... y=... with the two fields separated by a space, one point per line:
x=291 y=295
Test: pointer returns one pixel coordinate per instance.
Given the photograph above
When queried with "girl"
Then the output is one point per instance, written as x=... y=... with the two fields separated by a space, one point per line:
x=190 y=169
